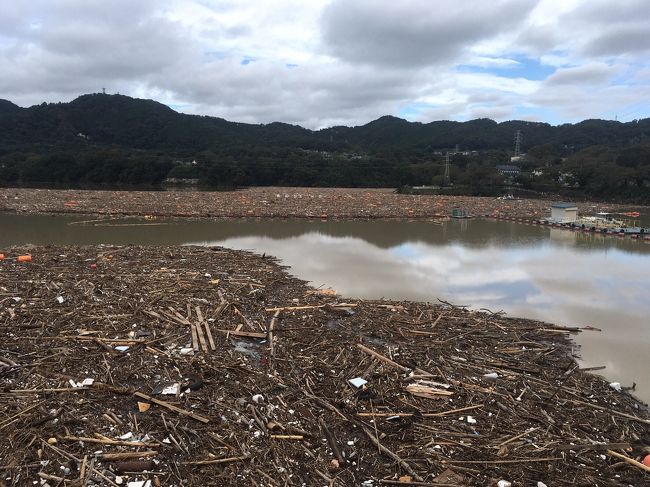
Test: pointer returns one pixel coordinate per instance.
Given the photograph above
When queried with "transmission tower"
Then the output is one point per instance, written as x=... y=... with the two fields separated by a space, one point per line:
x=447 y=167
x=517 y=143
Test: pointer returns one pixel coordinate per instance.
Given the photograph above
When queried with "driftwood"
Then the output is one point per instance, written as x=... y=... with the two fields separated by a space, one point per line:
x=449 y=395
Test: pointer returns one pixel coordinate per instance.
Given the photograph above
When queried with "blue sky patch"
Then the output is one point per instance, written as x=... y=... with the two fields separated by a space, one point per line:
x=525 y=67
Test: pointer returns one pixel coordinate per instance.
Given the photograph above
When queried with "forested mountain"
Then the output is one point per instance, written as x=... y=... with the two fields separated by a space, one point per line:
x=117 y=120
x=115 y=139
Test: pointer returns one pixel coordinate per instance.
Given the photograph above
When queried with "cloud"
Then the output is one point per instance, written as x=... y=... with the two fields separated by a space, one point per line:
x=627 y=39
x=413 y=32
x=322 y=63
x=586 y=74
x=75 y=46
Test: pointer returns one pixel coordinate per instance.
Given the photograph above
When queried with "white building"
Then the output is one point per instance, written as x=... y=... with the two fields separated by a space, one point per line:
x=564 y=212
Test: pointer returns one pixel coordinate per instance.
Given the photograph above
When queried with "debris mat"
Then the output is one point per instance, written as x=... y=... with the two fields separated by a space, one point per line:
x=170 y=366
x=273 y=202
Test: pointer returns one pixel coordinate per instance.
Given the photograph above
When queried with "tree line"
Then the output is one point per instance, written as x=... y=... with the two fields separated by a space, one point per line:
x=117 y=140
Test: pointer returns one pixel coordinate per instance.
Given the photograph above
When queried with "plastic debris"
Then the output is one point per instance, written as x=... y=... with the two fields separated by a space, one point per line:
x=616 y=386
x=139 y=483
x=358 y=382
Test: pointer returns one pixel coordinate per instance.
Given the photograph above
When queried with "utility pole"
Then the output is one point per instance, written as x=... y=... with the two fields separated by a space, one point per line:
x=447 y=167
x=517 y=143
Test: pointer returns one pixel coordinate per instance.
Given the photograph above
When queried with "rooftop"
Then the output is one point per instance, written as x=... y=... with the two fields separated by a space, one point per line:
x=564 y=205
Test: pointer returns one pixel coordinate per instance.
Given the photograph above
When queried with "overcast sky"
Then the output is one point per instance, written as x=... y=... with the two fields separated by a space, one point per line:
x=321 y=63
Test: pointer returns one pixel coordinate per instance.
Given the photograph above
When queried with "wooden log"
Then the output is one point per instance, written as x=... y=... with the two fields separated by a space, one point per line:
x=298 y=308
x=383 y=358
x=215 y=461
x=515 y=460
x=274 y=320
x=331 y=441
x=424 y=415
x=510 y=440
x=56 y=389
x=109 y=441
x=629 y=460
x=171 y=407
x=50 y=477
x=246 y=320
x=394 y=456
x=127 y=455
x=611 y=411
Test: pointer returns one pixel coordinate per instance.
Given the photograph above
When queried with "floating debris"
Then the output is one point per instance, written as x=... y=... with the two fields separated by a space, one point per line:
x=318 y=203
x=395 y=393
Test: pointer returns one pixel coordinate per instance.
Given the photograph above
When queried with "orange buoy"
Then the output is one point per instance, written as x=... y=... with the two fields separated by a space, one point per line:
x=2 y=256
x=24 y=258
x=646 y=461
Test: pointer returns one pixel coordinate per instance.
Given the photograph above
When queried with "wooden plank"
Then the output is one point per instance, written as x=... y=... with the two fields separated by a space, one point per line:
x=202 y=340
x=208 y=333
x=251 y=334
x=195 y=338
x=206 y=325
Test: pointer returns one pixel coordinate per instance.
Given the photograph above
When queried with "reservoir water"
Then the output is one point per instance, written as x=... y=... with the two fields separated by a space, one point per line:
x=558 y=276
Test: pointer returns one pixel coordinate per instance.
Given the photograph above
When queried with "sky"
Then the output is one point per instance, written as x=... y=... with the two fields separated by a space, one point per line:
x=320 y=63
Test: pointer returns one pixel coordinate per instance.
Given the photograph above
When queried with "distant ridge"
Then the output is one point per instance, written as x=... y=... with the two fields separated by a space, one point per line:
x=116 y=140
x=122 y=121
x=8 y=107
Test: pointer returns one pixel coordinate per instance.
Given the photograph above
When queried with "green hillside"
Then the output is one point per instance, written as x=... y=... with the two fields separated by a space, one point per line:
x=116 y=139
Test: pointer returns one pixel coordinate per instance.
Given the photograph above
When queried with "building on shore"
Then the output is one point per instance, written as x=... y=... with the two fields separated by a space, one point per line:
x=564 y=212
x=509 y=170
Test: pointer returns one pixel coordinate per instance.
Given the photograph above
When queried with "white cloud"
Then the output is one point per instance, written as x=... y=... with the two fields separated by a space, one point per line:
x=587 y=74
x=320 y=63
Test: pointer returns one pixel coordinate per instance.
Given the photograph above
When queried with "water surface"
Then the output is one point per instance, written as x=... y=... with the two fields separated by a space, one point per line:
x=559 y=276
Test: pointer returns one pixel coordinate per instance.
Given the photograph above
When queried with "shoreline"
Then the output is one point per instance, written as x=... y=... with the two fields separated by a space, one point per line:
x=432 y=408
x=274 y=202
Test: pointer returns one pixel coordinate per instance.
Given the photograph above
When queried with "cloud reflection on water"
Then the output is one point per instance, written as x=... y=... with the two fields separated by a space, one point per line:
x=549 y=280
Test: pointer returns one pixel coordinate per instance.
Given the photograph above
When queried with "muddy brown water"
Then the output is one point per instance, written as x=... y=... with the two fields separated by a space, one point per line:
x=559 y=276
